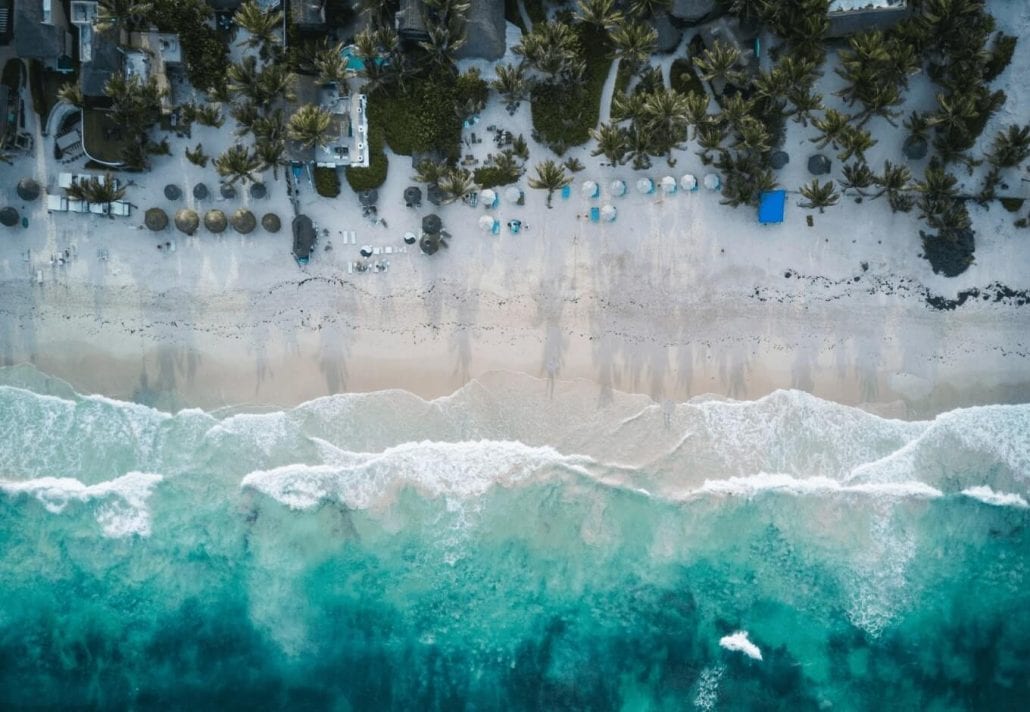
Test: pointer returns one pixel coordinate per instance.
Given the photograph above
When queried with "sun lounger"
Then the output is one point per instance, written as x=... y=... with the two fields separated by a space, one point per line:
x=350 y=268
x=65 y=180
x=98 y=208
x=595 y=214
x=566 y=191
x=39 y=276
x=57 y=203
x=120 y=208
x=388 y=250
x=78 y=206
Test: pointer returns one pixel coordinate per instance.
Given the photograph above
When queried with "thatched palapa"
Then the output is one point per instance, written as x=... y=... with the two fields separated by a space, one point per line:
x=187 y=221
x=214 y=220
x=271 y=222
x=28 y=189
x=156 y=219
x=243 y=221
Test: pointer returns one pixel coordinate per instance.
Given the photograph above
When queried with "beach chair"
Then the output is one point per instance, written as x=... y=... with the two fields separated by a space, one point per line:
x=566 y=191
x=514 y=226
x=595 y=214
x=57 y=203
x=496 y=229
x=65 y=180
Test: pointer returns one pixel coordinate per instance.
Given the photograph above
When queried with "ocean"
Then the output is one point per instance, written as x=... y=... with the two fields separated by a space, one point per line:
x=518 y=545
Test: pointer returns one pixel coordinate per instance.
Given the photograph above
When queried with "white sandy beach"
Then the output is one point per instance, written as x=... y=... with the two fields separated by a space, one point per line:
x=679 y=297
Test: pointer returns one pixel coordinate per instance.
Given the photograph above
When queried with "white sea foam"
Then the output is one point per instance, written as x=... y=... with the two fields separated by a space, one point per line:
x=738 y=642
x=754 y=485
x=121 y=503
x=708 y=688
x=997 y=499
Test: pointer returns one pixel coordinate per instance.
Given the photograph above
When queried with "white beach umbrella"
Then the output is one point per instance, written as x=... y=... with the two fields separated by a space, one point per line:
x=488 y=197
x=668 y=185
x=410 y=238
x=688 y=182
x=513 y=194
x=608 y=213
x=618 y=187
x=645 y=185
x=712 y=181
x=486 y=223
x=590 y=189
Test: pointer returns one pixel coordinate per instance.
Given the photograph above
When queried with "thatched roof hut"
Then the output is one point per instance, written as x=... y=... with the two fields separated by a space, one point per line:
x=9 y=217
x=172 y=192
x=214 y=220
x=187 y=220
x=431 y=224
x=271 y=222
x=28 y=189
x=243 y=221
x=156 y=219
x=200 y=191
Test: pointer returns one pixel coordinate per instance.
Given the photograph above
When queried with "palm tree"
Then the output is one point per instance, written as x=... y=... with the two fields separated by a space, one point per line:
x=735 y=109
x=271 y=153
x=600 y=13
x=331 y=66
x=96 y=190
x=261 y=26
x=634 y=42
x=550 y=176
x=697 y=110
x=955 y=112
x=895 y=182
x=430 y=172
x=611 y=143
x=819 y=195
x=1011 y=146
x=805 y=101
x=719 y=63
x=245 y=114
x=937 y=183
x=857 y=177
x=511 y=83
x=210 y=114
x=197 y=156
x=645 y=9
x=276 y=82
x=753 y=136
x=918 y=124
x=457 y=184
x=243 y=78
x=71 y=93
x=854 y=142
x=445 y=38
x=664 y=114
x=237 y=163
x=832 y=127
x=120 y=14
x=710 y=136
x=551 y=48
x=309 y=125
x=5 y=156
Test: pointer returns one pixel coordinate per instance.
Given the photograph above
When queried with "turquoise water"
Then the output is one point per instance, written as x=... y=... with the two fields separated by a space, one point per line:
x=503 y=550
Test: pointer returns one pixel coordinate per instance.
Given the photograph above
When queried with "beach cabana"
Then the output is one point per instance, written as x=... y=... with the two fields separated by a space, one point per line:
x=303 y=238
x=712 y=181
x=618 y=188
x=412 y=196
x=271 y=222
x=590 y=189
x=243 y=221
x=228 y=192
x=187 y=221
x=28 y=189
x=200 y=191
x=645 y=186
x=819 y=165
x=156 y=219
x=9 y=217
x=513 y=195
x=172 y=192
x=608 y=213
x=770 y=206
x=688 y=182
x=410 y=238
x=432 y=224
x=487 y=223
x=214 y=220
x=258 y=191
x=489 y=198
x=668 y=185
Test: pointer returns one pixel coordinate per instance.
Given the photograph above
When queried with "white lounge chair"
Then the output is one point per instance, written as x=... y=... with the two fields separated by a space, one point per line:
x=65 y=180
x=57 y=203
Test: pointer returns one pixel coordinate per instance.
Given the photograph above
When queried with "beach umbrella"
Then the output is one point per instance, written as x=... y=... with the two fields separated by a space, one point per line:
x=590 y=189
x=368 y=197
x=366 y=250
x=412 y=196
x=271 y=222
x=258 y=191
x=914 y=148
x=431 y=224
x=200 y=191
x=214 y=220
x=668 y=185
x=228 y=192
x=428 y=245
x=779 y=159
x=156 y=219
x=712 y=181
x=618 y=188
x=645 y=185
x=9 y=217
x=486 y=223
x=488 y=197
x=410 y=238
x=187 y=220
x=172 y=192
x=688 y=182
x=243 y=221
x=28 y=189
x=512 y=194
x=435 y=195
x=608 y=213
x=819 y=165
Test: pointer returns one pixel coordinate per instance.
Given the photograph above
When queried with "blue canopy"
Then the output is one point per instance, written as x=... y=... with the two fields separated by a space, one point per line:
x=770 y=206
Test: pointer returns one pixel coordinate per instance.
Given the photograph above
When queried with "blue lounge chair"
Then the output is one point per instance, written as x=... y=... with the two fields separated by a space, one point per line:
x=514 y=226
x=496 y=229
x=595 y=214
x=566 y=191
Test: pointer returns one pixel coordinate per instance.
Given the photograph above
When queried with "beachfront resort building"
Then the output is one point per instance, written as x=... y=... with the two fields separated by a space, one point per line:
x=42 y=33
x=484 y=27
x=849 y=17
x=347 y=144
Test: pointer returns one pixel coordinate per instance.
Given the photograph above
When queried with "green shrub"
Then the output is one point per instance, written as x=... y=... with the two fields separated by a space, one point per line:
x=203 y=47
x=1012 y=204
x=471 y=89
x=375 y=175
x=683 y=78
x=1001 y=54
x=493 y=176
x=327 y=182
x=420 y=120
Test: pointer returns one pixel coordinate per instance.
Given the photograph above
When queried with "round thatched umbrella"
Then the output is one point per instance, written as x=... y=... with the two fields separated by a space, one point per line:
x=412 y=195
x=429 y=245
x=368 y=197
x=271 y=222
x=9 y=217
x=172 y=192
x=434 y=195
x=187 y=220
x=258 y=191
x=243 y=221
x=28 y=189
x=200 y=191
x=819 y=165
x=214 y=220
x=156 y=219
x=431 y=224
x=914 y=148
x=228 y=192
x=779 y=159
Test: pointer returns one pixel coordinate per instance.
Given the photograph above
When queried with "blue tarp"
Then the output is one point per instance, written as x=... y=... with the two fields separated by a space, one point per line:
x=770 y=206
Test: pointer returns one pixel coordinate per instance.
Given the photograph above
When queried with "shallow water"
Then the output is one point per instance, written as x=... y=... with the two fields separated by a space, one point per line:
x=505 y=549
